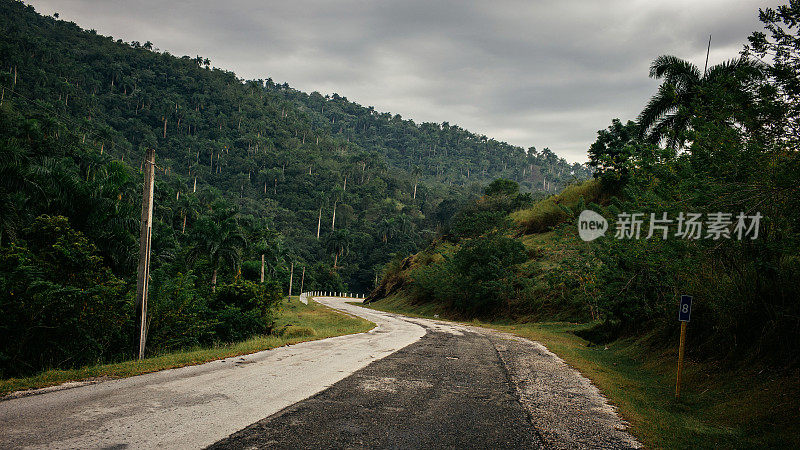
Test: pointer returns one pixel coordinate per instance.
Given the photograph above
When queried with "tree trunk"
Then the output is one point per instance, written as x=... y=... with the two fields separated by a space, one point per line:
x=333 y=222
x=183 y=228
x=319 y=222
x=214 y=281
x=262 y=267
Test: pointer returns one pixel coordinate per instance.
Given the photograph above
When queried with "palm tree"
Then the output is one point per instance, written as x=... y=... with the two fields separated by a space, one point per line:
x=338 y=243
x=386 y=229
x=219 y=241
x=668 y=115
x=406 y=223
x=189 y=209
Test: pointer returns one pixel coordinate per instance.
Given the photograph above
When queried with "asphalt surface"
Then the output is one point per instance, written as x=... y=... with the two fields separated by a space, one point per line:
x=457 y=387
x=193 y=407
x=408 y=383
x=447 y=390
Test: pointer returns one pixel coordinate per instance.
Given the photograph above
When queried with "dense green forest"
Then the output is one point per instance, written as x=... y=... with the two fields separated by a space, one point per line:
x=722 y=140
x=441 y=153
x=246 y=170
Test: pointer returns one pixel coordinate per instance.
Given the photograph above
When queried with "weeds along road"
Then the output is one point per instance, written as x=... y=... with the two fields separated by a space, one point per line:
x=408 y=383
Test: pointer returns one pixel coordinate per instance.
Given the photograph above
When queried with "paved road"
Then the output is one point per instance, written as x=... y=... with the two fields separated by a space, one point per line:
x=409 y=383
x=193 y=407
x=457 y=387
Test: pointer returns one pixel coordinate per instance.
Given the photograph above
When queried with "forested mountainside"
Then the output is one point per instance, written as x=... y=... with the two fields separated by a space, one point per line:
x=247 y=171
x=273 y=152
x=717 y=148
x=431 y=151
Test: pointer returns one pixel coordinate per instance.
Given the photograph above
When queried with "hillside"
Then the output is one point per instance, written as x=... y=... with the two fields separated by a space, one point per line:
x=436 y=152
x=246 y=172
x=274 y=152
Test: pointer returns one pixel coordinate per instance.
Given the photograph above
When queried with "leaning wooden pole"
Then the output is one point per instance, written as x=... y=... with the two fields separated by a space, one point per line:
x=145 y=235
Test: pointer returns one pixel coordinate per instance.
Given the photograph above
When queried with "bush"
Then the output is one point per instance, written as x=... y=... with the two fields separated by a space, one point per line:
x=477 y=280
x=469 y=224
x=244 y=308
x=291 y=332
x=179 y=315
x=59 y=305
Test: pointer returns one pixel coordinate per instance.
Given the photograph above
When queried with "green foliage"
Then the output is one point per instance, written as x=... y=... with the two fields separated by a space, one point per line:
x=477 y=281
x=485 y=267
x=244 y=308
x=728 y=140
x=59 y=305
x=502 y=186
x=469 y=224
x=550 y=212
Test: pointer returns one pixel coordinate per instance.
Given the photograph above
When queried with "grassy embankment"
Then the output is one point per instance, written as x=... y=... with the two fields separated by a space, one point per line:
x=722 y=406
x=296 y=323
x=742 y=407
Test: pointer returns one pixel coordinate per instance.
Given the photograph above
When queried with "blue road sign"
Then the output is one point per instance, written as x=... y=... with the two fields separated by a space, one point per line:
x=685 y=310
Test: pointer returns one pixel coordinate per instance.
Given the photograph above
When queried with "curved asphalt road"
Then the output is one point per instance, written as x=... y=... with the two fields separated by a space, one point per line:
x=408 y=383
x=195 y=406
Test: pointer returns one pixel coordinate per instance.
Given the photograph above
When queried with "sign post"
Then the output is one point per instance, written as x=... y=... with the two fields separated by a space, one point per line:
x=684 y=313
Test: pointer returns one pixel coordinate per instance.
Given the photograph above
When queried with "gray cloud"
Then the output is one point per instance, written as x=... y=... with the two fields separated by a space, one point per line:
x=541 y=73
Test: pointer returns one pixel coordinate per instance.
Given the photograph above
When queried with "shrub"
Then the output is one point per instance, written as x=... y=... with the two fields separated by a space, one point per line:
x=291 y=332
x=244 y=308
x=59 y=305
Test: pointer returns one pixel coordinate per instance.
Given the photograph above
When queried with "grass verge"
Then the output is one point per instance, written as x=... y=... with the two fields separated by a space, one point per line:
x=296 y=322
x=720 y=407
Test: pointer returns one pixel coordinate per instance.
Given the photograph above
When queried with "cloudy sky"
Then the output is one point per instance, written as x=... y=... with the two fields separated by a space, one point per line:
x=535 y=73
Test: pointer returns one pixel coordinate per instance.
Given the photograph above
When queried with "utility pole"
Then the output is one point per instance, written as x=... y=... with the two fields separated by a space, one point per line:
x=291 y=275
x=145 y=235
x=302 y=279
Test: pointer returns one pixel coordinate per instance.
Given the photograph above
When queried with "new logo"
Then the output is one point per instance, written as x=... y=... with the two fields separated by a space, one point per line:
x=591 y=225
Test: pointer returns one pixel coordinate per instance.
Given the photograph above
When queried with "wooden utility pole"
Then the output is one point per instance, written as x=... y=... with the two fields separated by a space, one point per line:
x=684 y=315
x=145 y=235
x=680 y=360
x=291 y=275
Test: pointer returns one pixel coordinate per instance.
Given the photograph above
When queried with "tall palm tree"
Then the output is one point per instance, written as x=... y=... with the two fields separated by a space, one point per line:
x=668 y=115
x=220 y=242
x=338 y=243
x=386 y=229
x=189 y=209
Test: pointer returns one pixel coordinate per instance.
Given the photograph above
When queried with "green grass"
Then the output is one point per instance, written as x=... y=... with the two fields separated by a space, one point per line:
x=741 y=407
x=296 y=323
x=546 y=213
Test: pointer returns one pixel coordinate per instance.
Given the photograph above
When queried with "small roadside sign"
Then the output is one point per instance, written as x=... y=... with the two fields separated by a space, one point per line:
x=684 y=313
x=685 y=310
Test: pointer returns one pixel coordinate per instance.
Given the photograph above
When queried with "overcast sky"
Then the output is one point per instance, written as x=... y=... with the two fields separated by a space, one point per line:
x=535 y=73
